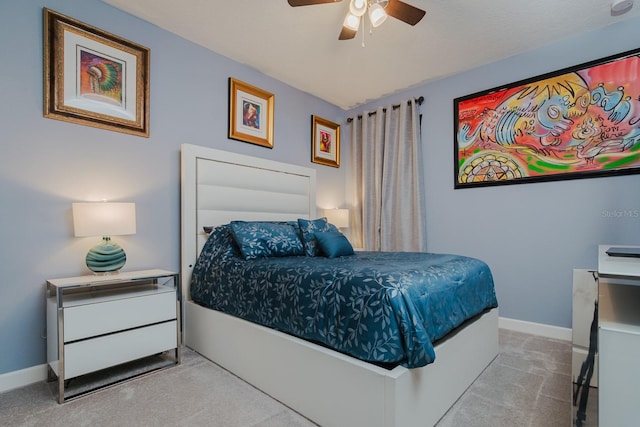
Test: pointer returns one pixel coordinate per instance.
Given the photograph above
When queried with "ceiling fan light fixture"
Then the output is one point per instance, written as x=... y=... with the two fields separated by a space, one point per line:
x=377 y=14
x=358 y=7
x=351 y=22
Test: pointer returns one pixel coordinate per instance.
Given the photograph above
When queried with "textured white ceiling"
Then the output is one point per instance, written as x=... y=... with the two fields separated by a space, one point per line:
x=300 y=45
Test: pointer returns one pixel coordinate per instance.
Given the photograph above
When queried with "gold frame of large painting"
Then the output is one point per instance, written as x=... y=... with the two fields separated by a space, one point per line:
x=94 y=78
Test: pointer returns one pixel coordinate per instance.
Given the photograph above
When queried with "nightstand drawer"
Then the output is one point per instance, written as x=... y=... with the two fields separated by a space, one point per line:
x=109 y=350
x=83 y=321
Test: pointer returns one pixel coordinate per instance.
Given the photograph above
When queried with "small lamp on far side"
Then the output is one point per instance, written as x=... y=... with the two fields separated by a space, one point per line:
x=338 y=217
x=106 y=220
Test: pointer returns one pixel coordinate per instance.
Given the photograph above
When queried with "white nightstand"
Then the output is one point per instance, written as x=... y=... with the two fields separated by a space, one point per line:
x=96 y=322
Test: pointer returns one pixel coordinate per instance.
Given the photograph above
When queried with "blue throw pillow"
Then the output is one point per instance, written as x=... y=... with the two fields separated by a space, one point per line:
x=333 y=244
x=266 y=239
x=308 y=228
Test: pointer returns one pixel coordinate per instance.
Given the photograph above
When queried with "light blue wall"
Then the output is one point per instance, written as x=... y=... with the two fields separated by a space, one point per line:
x=532 y=235
x=47 y=164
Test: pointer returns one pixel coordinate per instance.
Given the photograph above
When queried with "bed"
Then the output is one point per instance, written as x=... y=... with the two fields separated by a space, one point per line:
x=327 y=386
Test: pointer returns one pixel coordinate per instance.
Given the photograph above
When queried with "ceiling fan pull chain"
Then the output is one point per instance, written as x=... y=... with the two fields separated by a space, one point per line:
x=362 y=24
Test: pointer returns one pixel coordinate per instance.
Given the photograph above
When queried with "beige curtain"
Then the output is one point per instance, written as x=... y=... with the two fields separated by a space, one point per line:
x=387 y=206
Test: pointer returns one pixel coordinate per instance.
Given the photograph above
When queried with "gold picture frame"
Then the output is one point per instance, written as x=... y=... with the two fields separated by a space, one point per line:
x=250 y=113
x=94 y=78
x=325 y=147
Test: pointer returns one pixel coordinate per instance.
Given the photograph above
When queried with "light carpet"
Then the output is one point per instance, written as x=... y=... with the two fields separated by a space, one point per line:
x=528 y=384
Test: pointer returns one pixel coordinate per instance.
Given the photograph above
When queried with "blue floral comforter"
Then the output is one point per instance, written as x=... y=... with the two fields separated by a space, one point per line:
x=381 y=307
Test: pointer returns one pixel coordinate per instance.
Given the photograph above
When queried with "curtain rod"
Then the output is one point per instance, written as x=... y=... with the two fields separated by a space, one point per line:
x=419 y=100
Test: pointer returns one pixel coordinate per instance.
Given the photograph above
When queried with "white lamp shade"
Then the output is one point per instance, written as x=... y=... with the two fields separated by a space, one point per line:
x=377 y=14
x=338 y=217
x=351 y=22
x=103 y=219
x=358 y=7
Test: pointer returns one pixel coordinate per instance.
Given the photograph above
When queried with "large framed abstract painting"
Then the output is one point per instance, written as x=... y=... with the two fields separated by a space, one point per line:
x=579 y=122
x=94 y=78
x=250 y=113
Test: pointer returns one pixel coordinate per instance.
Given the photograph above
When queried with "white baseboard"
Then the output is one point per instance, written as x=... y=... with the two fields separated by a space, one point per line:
x=541 y=329
x=23 y=377
x=27 y=376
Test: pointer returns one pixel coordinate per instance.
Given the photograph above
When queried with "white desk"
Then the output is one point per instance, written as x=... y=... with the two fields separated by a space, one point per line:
x=618 y=339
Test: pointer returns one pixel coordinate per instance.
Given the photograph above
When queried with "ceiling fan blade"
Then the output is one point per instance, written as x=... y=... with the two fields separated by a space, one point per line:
x=347 y=34
x=296 y=3
x=404 y=12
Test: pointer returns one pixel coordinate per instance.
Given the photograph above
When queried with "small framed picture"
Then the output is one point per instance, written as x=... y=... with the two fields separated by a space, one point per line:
x=325 y=147
x=94 y=78
x=250 y=114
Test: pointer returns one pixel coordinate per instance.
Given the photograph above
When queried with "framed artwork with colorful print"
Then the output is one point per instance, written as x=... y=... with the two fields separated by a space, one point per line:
x=578 y=122
x=250 y=114
x=94 y=78
x=325 y=146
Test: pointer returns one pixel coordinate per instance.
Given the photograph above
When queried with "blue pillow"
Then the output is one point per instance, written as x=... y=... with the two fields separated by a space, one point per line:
x=308 y=228
x=266 y=239
x=333 y=244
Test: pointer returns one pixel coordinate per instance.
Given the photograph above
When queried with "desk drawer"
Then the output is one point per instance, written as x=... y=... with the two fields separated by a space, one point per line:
x=109 y=350
x=89 y=320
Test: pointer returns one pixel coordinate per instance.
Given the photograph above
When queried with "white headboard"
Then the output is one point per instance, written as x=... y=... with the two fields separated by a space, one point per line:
x=218 y=187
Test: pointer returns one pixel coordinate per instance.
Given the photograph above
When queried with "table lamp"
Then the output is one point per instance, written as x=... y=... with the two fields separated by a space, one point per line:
x=106 y=220
x=338 y=217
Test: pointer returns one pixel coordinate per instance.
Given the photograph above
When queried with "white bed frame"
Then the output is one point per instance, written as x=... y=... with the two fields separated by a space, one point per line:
x=325 y=386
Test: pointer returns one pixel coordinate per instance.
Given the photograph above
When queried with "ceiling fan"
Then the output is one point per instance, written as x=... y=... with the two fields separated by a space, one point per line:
x=378 y=12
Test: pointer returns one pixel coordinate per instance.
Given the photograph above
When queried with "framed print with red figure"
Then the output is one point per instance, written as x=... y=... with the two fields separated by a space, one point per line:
x=325 y=147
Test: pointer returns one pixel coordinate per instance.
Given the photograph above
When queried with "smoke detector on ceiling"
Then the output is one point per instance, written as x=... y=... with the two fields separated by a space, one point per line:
x=619 y=7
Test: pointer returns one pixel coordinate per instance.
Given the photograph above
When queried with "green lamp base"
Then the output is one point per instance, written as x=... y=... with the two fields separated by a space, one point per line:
x=106 y=258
